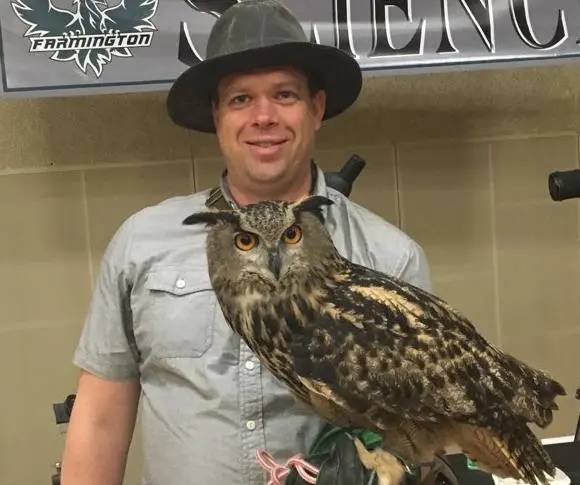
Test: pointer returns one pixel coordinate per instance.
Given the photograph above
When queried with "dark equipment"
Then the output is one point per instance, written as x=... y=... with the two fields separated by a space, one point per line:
x=62 y=412
x=343 y=180
x=577 y=434
x=564 y=185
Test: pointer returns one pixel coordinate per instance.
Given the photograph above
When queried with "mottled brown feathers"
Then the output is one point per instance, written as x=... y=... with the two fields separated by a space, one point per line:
x=363 y=348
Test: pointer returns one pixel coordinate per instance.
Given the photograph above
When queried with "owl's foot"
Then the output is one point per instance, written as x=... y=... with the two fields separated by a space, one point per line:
x=389 y=469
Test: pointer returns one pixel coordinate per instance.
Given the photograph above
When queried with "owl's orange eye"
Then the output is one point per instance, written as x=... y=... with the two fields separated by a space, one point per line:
x=245 y=241
x=292 y=235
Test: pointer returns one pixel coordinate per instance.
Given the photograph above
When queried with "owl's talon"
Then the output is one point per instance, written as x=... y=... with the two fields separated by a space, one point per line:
x=389 y=470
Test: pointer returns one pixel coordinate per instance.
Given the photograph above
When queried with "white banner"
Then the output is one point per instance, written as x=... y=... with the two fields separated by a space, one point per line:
x=58 y=47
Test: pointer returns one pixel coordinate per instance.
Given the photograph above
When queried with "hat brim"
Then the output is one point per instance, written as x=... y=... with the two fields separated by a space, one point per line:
x=189 y=104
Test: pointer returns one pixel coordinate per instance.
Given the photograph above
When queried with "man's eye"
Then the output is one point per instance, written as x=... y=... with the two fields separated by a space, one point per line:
x=240 y=99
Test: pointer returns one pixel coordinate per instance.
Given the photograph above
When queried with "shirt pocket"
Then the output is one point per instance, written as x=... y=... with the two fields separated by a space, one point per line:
x=179 y=313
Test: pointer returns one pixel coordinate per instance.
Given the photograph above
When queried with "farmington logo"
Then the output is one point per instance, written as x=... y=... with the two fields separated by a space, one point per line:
x=74 y=42
x=90 y=34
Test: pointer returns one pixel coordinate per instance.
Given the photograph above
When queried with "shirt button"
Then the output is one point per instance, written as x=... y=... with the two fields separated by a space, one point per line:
x=180 y=283
x=250 y=365
x=251 y=425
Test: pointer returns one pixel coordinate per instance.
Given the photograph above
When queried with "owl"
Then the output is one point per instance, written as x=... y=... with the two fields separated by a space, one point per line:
x=362 y=348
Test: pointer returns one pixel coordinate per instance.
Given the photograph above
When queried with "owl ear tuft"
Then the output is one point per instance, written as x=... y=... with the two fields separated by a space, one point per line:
x=211 y=218
x=312 y=204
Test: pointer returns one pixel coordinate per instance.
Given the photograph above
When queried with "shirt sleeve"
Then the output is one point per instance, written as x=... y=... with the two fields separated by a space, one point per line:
x=416 y=268
x=105 y=347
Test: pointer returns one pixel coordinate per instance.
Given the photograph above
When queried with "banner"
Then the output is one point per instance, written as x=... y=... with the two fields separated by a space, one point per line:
x=63 y=47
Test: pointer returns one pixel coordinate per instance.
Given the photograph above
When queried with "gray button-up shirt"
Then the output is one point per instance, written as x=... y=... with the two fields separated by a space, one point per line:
x=207 y=404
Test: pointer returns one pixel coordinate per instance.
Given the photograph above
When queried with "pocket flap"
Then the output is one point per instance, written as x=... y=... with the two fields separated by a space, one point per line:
x=178 y=281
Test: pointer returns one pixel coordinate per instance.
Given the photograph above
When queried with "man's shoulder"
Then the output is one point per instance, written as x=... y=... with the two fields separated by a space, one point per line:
x=386 y=246
x=157 y=229
x=163 y=217
x=375 y=228
x=170 y=209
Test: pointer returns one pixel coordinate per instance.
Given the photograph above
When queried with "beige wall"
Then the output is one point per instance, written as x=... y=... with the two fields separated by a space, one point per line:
x=458 y=160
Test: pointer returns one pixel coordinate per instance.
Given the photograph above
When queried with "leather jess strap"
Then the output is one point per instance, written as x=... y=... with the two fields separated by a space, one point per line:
x=217 y=200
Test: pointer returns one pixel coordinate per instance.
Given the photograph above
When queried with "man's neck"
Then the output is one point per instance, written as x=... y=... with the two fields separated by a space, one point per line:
x=288 y=192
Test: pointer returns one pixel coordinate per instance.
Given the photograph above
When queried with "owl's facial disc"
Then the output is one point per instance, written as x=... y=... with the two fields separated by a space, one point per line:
x=272 y=241
x=270 y=254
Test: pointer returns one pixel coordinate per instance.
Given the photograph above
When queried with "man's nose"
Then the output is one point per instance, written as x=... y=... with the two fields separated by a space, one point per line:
x=265 y=112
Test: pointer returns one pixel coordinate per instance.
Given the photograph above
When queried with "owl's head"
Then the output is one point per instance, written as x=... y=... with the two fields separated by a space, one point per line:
x=268 y=241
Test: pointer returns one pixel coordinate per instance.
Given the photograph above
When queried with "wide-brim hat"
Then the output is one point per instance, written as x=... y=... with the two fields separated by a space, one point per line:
x=255 y=34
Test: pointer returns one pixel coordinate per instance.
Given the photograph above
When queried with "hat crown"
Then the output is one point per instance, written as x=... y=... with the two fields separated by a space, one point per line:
x=252 y=24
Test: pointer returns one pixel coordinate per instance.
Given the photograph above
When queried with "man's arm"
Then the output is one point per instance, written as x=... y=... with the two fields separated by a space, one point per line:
x=100 y=431
x=416 y=269
x=105 y=408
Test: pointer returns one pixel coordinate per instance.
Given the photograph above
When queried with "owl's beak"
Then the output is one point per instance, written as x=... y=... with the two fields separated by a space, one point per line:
x=275 y=262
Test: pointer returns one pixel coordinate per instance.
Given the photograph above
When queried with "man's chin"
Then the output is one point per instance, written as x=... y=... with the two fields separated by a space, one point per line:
x=269 y=171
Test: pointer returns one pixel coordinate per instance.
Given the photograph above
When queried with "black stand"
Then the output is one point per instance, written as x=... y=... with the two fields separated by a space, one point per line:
x=62 y=412
x=577 y=434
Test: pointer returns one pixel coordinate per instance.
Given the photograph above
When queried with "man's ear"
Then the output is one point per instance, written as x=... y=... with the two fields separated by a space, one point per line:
x=214 y=104
x=319 y=107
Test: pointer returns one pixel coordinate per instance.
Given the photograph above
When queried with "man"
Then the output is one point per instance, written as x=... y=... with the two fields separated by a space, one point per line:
x=154 y=332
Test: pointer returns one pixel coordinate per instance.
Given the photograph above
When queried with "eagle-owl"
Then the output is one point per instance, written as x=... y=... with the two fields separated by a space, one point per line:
x=366 y=349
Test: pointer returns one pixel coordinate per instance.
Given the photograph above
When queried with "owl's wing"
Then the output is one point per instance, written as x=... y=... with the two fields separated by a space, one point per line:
x=382 y=347
x=383 y=352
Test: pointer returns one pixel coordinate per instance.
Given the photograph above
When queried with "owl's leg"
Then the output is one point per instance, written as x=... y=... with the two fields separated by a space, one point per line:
x=410 y=452
x=390 y=470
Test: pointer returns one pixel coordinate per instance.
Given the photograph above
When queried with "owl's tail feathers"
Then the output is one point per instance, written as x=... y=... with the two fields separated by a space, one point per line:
x=515 y=453
x=536 y=393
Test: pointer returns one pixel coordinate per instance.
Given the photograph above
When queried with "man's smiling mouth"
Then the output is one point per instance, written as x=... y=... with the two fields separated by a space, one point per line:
x=265 y=143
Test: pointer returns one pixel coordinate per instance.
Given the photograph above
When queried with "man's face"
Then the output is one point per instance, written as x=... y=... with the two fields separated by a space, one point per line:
x=266 y=123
